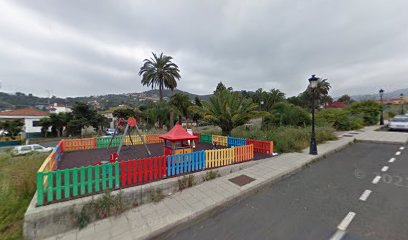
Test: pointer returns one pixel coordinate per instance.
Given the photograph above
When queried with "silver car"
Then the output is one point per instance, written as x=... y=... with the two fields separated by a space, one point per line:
x=24 y=149
x=399 y=122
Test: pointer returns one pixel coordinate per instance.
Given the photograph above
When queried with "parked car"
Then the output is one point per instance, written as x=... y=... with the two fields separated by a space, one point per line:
x=399 y=122
x=110 y=131
x=21 y=150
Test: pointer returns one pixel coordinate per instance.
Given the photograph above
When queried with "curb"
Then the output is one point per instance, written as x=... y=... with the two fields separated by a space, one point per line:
x=209 y=211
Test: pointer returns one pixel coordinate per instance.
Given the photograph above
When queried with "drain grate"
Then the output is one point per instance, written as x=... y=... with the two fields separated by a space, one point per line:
x=347 y=135
x=241 y=180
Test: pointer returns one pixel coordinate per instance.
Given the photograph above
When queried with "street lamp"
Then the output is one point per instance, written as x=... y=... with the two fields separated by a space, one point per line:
x=382 y=106
x=260 y=105
x=402 y=103
x=313 y=146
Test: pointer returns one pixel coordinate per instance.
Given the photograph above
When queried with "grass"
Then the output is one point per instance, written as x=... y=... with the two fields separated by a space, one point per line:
x=287 y=139
x=17 y=187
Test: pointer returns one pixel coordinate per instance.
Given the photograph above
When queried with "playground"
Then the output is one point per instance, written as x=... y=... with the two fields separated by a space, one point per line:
x=87 y=166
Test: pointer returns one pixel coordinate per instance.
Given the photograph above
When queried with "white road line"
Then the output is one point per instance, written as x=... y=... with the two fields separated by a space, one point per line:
x=338 y=235
x=392 y=160
x=398 y=153
x=402 y=148
x=365 y=195
x=384 y=169
x=346 y=221
x=376 y=179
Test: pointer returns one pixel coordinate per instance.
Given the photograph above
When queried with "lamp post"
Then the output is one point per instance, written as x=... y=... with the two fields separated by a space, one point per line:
x=382 y=107
x=402 y=103
x=313 y=146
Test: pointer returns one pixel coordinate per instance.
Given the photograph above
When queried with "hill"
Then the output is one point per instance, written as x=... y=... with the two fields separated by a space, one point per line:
x=387 y=95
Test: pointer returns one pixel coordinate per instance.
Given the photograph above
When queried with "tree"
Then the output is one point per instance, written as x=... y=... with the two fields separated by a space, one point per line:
x=181 y=102
x=12 y=127
x=320 y=92
x=45 y=125
x=160 y=72
x=197 y=101
x=126 y=113
x=228 y=110
x=220 y=88
x=345 y=98
x=269 y=99
x=83 y=116
x=284 y=114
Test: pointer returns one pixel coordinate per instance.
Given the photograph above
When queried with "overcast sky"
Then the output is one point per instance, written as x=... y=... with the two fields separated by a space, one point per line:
x=78 y=48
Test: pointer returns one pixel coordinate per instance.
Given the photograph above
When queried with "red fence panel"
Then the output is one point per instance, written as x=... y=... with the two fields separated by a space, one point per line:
x=261 y=146
x=140 y=171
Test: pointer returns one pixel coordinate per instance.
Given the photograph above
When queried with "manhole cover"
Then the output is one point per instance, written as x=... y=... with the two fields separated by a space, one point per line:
x=354 y=133
x=347 y=135
x=241 y=180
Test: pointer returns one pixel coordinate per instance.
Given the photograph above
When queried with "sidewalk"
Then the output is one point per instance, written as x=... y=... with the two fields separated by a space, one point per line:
x=153 y=219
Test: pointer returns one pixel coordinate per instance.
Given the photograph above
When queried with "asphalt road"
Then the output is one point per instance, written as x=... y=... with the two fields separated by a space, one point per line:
x=312 y=203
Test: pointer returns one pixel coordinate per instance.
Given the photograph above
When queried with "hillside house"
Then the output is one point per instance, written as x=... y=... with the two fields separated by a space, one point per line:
x=30 y=117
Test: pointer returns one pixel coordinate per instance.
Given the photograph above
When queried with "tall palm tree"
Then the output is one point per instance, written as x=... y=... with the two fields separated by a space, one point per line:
x=228 y=110
x=160 y=72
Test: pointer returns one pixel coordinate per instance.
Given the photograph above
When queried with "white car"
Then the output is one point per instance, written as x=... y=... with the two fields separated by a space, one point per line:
x=20 y=150
x=399 y=122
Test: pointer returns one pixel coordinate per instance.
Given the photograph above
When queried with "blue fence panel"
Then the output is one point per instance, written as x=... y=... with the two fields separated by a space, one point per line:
x=185 y=163
x=236 y=142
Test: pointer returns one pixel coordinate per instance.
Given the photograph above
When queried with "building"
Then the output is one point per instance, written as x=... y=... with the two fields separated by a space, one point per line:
x=30 y=117
x=337 y=105
x=55 y=108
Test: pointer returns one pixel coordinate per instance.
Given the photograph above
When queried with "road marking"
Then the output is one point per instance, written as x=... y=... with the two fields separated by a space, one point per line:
x=398 y=153
x=365 y=195
x=346 y=221
x=384 y=169
x=401 y=148
x=376 y=179
x=392 y=160
x=338 y=235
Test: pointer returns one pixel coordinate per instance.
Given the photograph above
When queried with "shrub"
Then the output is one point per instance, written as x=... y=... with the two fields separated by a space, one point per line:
x=156 y=195
x=368 y=110
x=210 y=175
x=186 y=182
x=286 y=114
x=340 y=119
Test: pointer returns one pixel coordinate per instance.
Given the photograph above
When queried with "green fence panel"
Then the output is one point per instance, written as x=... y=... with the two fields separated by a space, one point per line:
x=90 y=179
x=117 y=174
x=58 y=184
x=40 y=188
x=205 y=138
x=103 y=142
x=50 y=181
x=75 y=182
x=67 y=184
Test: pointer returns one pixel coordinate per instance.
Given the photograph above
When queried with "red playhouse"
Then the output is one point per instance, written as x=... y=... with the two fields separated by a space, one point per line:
x=180 y=141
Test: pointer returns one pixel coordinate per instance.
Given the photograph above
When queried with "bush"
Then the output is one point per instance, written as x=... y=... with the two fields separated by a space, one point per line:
x=186 y=182
x=368 y=110
x=286 y=114
x=340 y=119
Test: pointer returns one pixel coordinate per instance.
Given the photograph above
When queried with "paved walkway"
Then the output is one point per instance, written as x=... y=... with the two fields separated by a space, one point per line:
x=154 y=218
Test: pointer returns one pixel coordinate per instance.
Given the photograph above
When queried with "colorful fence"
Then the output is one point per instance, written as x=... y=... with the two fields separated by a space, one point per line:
x=185 y=163
x=153 y=138
x=133 y=140
x=79 y=144
x=103 y=142
x=68 y=183
x=50 y=163
x=220 y=140
x=205 y=138
x=243 y=153
x=140 y=171
x=261 y=146
x=219 y=157
x=236 y=142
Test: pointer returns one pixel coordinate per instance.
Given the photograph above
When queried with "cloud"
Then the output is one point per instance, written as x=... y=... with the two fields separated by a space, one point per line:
x=79 y=48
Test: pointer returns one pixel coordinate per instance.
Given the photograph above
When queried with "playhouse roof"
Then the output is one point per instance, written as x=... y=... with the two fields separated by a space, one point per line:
x=178 y=133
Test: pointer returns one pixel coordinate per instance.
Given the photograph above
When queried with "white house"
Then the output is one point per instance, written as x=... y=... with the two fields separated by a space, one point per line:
x=30 y=117
x=55 y=108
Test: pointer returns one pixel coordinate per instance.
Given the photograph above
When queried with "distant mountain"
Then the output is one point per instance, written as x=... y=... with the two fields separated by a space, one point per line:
x=102 y=102
x=387 y=95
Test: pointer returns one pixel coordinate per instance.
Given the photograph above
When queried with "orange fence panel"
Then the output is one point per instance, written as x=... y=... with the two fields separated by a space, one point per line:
x=243 y=153
x=79 y=144
x=153 y=138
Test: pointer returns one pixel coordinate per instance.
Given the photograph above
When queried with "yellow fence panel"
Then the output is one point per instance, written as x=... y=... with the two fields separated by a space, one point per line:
x=136 y=140
x=219 y=157
x=220 y=140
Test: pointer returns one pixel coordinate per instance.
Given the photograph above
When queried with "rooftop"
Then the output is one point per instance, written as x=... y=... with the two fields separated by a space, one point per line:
x=24 y=112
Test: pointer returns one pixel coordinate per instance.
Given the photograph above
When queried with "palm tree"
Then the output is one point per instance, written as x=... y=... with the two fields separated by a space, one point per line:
x=228 y=110
x=182 y=103
x=160 y=71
